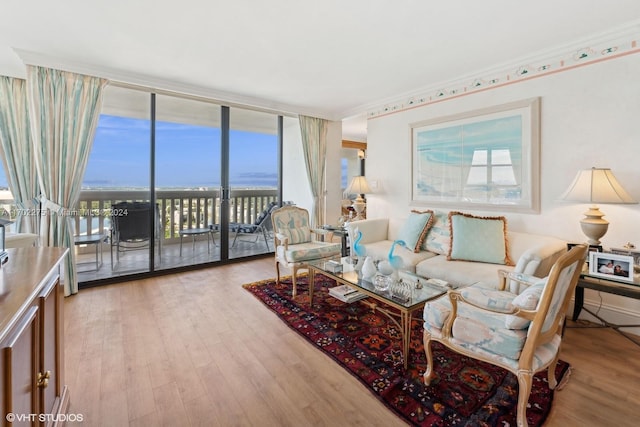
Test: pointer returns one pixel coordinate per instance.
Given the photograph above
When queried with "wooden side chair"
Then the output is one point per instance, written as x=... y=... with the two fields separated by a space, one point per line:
x=296 y=243
x=518 y=326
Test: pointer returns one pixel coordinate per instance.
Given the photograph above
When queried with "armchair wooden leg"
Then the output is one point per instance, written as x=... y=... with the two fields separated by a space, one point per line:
x=551 y=372
x=277 y=272
x=525 y=379
x=429 y=374
x=293 y=279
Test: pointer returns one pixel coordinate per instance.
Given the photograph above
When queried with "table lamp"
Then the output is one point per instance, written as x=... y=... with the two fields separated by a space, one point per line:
x=596 y=185
x=359 y=186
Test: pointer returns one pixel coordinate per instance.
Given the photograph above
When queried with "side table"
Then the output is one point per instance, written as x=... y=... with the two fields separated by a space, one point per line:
x=92 y=239
x=343 y=233
x=193 y=232
x=611 y=287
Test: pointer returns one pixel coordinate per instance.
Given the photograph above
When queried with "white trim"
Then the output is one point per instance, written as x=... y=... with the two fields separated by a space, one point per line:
x=612 y=314
x=625 y=33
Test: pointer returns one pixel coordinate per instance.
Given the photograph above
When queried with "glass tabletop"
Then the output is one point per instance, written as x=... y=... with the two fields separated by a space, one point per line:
x=405 y=293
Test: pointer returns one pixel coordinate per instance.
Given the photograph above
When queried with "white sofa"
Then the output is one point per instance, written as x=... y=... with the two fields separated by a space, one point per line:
x=532 y=254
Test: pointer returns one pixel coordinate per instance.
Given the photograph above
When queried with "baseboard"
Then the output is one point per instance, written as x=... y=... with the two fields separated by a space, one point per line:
x=611 y=314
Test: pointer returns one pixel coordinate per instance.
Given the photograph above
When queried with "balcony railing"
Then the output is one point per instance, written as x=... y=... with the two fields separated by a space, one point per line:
x=179 y=209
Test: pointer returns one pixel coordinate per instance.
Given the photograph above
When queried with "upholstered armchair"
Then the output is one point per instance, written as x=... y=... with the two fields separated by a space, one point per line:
x=517 y=326
x=296 y=243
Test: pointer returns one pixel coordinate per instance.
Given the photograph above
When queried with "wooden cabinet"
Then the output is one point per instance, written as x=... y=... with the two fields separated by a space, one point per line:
x=31 y=338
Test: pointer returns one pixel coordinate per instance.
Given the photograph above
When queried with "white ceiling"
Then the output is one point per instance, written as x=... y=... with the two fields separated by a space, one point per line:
x=329 y=58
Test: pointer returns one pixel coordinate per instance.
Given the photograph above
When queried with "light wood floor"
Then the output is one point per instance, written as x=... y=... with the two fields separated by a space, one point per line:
x=196 y=349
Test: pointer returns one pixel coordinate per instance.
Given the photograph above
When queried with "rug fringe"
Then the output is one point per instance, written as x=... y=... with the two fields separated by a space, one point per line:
x=565 y=379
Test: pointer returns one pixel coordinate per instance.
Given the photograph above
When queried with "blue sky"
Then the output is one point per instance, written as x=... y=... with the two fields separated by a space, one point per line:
x=186 y=156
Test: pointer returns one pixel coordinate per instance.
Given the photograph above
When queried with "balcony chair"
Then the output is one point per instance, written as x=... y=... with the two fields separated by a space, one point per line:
x=260 y=228
x=130 y=228
x=296 y=243
x=517 y=326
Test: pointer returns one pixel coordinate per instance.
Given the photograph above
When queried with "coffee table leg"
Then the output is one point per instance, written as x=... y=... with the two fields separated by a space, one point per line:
x=405 y=322
x=312 y=281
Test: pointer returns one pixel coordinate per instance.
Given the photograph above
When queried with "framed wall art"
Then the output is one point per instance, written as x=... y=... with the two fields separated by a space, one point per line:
x=483 y=159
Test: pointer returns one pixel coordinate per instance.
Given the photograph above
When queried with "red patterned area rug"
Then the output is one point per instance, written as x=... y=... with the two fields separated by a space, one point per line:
x=367 y=344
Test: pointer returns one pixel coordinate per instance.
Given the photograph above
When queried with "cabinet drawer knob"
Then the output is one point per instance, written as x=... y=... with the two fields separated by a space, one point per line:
x=43 y=379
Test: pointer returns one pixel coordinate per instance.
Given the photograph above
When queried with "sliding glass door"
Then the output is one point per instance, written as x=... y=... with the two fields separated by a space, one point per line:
x=187 y=180
x=114 y=235
x=253 y=181
x=174 y=182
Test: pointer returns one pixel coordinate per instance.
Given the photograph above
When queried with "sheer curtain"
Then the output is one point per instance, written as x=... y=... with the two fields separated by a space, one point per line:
x=314 y=145
x=18 y=151
x=64 y=109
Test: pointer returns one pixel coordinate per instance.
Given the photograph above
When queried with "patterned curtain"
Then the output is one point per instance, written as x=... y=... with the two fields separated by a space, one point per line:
x=64 y=109
x=314 y=144
x=18 y=151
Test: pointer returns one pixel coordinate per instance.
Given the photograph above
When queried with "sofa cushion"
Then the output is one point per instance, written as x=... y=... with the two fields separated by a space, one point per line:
x=460 y=273
x=380 y=251
x=439 y=235
x=415 y=228
x=475 y=238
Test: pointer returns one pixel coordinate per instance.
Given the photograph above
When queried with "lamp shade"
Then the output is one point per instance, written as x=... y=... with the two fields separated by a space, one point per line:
x=359 y=185
x=597 y=185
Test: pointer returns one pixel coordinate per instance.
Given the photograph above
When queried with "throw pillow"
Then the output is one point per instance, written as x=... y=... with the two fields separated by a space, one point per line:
x=439 y=236
x=297 y=235
x=414 y=230
x=481 y=239
x=527 y=300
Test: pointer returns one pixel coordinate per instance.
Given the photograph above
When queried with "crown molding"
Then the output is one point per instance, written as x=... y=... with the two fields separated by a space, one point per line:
x=617 y=42
x=162 y=85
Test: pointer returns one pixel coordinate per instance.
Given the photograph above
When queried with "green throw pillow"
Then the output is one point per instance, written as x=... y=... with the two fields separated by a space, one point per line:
x=475 y=238
x=415 y=228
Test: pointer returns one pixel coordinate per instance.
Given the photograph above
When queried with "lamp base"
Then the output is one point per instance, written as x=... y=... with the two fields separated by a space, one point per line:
x=359 y=207
x=594 y=226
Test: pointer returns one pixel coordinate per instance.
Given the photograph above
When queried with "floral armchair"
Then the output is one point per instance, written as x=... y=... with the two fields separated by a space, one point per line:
x=296 y=243
x=518 y=326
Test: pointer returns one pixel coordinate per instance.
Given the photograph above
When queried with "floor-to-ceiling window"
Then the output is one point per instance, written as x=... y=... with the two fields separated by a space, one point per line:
x=174 y=156
x=118 y=171
x=187 y=179
x=253 y=180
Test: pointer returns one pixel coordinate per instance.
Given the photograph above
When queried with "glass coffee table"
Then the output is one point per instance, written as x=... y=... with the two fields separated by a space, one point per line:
x=404 y=300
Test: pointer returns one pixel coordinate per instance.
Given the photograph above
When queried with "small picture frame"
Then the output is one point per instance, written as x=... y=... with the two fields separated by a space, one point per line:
x=592 y=248
x=631 y=252
x=611 y=266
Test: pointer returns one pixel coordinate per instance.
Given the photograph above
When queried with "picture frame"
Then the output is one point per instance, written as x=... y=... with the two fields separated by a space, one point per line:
x=592 y=248
x=630 y=252
x=611 y=266
x=482 y=159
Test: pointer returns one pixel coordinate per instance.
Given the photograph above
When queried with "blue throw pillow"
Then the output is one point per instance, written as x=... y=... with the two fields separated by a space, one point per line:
x=475 y=238
x=415 y=228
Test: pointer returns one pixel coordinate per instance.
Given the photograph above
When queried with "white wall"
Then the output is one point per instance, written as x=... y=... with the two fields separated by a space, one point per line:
x=590 y=116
